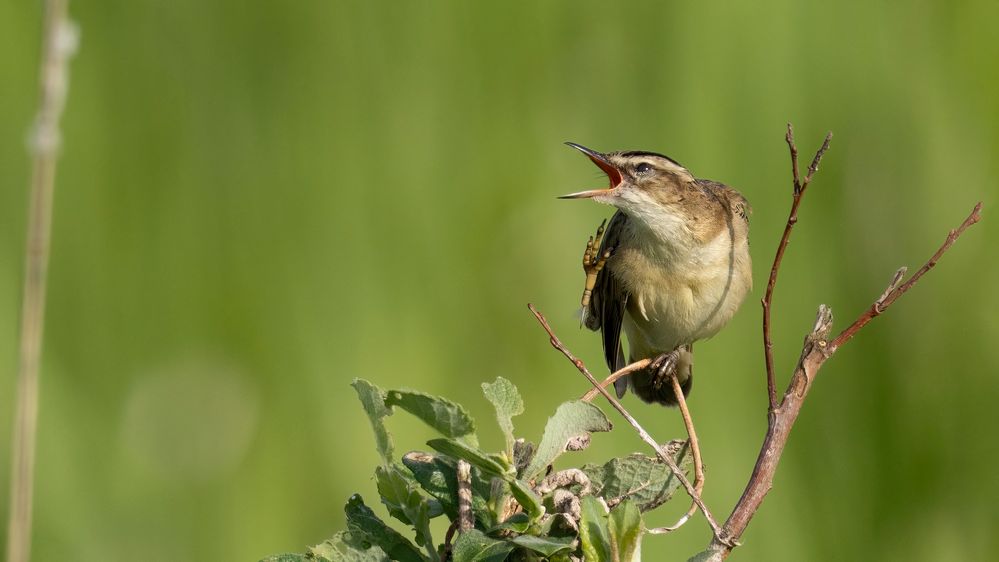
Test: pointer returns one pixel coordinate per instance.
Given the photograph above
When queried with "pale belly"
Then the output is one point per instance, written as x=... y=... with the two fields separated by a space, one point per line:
x=667 y=311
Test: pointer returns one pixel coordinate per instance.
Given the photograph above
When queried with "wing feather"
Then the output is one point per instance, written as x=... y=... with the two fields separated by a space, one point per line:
x=608 y=303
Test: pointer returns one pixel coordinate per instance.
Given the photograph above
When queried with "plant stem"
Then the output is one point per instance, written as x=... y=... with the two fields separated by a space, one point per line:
x=58 y=45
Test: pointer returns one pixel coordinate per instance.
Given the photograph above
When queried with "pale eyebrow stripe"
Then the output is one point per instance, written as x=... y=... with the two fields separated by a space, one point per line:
x=646 y=153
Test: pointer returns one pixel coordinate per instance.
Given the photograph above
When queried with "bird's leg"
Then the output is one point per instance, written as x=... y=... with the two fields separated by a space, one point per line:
x=664 y=365
x=593 y=262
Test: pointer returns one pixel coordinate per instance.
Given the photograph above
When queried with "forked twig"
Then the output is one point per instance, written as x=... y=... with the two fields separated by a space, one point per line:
x=799 y=191
x=896 y=289
x=817 y=349
x=622 y=372
x=691 y=491
x=695 y=450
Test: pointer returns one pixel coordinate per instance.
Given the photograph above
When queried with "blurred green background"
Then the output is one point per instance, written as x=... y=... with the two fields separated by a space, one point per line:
x=258 y=201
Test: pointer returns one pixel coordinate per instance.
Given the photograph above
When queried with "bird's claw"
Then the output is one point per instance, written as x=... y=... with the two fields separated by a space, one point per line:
x=665 y=367
x=594 y=262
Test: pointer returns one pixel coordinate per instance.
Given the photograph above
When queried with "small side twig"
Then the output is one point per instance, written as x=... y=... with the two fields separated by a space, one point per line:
x=687 y=422
x=799 y=191
x=718 y=533
x=896 y=289
x=817 y=349
x=695 y=450
x=448 y=538
x=622 y=372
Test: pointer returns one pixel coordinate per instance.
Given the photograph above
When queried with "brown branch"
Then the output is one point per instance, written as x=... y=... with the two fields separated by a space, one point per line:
x=58 y=44
x=816 y=350
x=448 y=537
x=799 y=191
x=695 y=449
x=622 y=372
x=719 y=537
x=780 y=422
x=688 y=422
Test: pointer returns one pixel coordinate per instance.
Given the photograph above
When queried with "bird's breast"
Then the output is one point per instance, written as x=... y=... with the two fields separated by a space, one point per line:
x=681 y=294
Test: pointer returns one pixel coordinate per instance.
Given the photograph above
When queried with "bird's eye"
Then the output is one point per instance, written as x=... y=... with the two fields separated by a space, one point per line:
x=644 y=167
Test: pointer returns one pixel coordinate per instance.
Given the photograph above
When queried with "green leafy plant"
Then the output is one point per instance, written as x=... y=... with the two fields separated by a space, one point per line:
x=518 y=507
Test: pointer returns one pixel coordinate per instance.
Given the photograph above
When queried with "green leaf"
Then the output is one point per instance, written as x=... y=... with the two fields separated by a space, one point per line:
x=475 y=546
x=341 y=547
x=490 y=464
x=646 y=480
x=436 y=474
x=450 y=419
x=435 y=508
x=508 y=403
x=571 y=419
x=399 y=493
x=396 y=492
x=527 y=499
x=593 y=532
x=366 y=527
x=545 y=546
x=625 y=525
x=518 y=523
x=344 y=547
x=373 y=400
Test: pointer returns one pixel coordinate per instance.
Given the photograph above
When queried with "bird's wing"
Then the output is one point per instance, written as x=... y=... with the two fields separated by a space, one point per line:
x=608 y=303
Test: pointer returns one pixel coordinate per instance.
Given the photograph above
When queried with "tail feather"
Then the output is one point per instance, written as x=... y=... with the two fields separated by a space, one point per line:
x=621 y=386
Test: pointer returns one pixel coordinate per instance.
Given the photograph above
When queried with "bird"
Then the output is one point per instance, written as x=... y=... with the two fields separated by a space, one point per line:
x=672 y=268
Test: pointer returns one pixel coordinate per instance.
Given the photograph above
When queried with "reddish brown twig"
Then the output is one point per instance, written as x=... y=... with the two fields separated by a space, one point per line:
x=799 y=191
x=695 y=449
x=780 y=421
x=895 y=289
x=448 y=537
x=816 y=351
x=622 y=372
x=695 y=496
x=688 y=422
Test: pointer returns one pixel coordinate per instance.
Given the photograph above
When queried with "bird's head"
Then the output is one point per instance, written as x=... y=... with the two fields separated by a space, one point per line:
x=640 y=182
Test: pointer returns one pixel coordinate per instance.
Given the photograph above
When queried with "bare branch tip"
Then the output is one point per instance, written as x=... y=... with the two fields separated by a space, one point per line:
x=823 y=319
x=976 y=213
x=814 y=166
x=897 y=278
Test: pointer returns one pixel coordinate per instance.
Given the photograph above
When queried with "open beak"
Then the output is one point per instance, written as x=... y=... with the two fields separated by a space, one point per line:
x=613 y=174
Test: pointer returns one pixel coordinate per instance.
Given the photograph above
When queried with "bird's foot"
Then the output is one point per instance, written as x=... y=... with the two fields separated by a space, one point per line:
x=593 y=262
x=665 y=367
